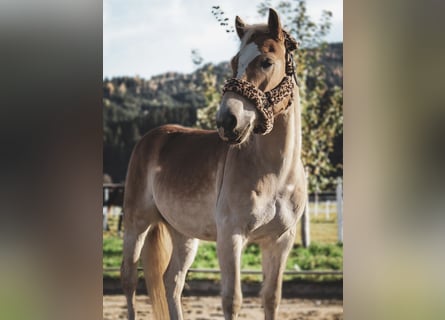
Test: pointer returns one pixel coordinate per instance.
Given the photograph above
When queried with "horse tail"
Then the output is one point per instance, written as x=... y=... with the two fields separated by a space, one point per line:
x=156 y=256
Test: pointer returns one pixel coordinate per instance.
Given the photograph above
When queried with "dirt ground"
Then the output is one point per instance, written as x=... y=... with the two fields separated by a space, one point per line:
x=209 y=308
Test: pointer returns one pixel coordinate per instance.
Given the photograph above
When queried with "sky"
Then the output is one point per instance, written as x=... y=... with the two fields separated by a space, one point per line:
x=150 y=37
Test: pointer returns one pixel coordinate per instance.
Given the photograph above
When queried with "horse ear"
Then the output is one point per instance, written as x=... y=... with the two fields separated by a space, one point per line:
x=240 y=27
x=275 y=24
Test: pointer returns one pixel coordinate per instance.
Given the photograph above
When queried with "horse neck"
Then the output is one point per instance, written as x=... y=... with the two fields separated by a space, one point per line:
x=282 y=146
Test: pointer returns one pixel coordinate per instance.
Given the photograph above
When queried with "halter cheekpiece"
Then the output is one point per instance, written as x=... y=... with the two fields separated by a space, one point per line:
x=265 y=101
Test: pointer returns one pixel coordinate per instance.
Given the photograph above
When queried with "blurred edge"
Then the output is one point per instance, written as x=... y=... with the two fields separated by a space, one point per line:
x=394 y=62
x=51 y=162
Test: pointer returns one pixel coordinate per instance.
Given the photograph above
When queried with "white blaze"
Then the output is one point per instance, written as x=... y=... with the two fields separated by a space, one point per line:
x=246 y=56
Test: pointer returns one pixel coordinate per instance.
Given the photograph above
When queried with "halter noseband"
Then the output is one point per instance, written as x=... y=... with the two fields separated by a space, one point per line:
x=265 y=101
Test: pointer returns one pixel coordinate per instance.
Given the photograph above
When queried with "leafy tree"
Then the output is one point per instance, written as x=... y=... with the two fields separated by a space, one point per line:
x=206 y=116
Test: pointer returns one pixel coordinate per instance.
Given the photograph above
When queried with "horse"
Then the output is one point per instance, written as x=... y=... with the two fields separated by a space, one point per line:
x=242 y=183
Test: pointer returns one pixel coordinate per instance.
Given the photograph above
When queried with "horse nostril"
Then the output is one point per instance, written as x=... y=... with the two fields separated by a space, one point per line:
x=229 y=122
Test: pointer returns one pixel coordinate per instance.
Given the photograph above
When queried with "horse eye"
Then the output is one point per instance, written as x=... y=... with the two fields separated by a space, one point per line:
x=266 y=63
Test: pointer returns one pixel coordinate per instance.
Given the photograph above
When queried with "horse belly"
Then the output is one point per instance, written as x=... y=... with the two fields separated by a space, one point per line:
x=191 y=216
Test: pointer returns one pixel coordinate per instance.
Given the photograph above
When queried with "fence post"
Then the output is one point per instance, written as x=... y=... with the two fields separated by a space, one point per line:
x=305 y=222
x=316 y=203
x=339 y=195
x=106 y=196
x=327 y=209
x=305 y=228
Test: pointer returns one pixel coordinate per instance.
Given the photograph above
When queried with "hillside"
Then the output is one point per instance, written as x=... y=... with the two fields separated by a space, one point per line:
x=184 y=90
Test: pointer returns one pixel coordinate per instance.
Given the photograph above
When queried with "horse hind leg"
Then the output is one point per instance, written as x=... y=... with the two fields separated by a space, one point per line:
x=137 y=226
x=274 y=256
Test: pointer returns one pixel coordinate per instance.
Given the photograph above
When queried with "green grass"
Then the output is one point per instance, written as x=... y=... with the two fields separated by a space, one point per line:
x=111 y=253
x=324 y=253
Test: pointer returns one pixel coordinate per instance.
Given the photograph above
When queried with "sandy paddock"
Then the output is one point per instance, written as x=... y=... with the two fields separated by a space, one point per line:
x=209 y=308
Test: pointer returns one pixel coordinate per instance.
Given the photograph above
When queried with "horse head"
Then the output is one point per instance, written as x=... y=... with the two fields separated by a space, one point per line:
x=262 y=84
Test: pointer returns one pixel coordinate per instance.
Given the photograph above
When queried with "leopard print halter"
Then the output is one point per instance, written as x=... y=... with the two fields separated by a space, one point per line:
x=266 y=101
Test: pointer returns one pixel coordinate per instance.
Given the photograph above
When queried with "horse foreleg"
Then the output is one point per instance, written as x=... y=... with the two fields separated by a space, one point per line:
x=229 y=247
x=184 y=252
x=274 y=256
x=133 y=242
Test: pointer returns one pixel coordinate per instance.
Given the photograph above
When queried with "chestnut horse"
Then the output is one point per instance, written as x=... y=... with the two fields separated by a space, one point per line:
x=244 y=183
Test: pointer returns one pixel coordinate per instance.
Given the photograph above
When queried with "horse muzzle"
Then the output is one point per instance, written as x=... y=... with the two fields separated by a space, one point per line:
x=235 y=137
x=229 y=130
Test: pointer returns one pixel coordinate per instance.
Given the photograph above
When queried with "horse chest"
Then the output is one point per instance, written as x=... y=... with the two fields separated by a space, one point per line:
x=271 y=220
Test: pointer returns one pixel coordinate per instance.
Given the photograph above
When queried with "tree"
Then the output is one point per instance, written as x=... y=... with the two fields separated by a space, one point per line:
x=206 y=116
